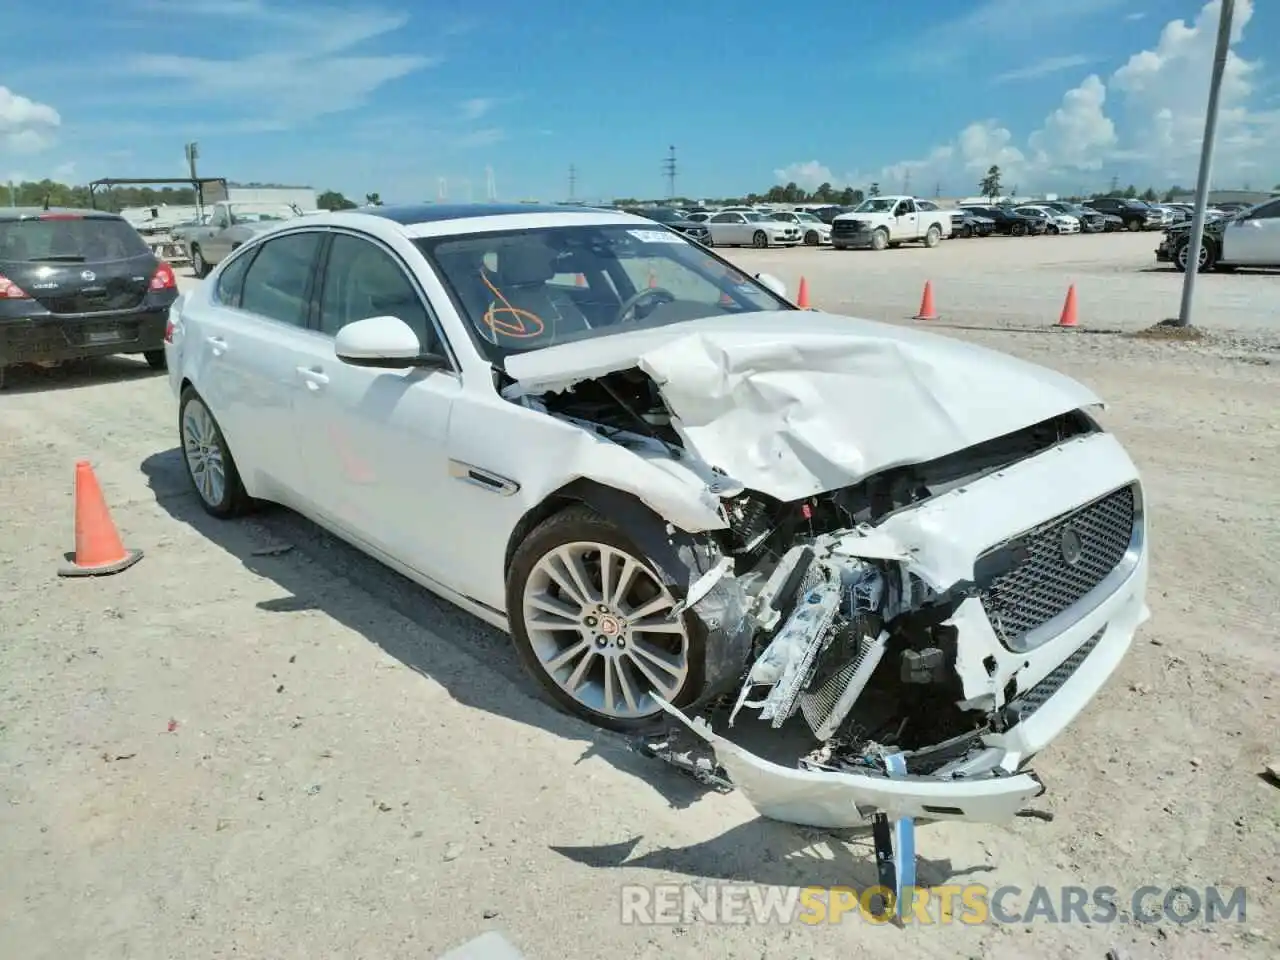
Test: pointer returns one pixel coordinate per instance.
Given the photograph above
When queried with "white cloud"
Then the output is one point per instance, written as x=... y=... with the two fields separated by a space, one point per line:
x=1135 y=17
x=25 y=125
x=1144 y=123
x=293 y=64
x=477 y=107
x=1043 y=68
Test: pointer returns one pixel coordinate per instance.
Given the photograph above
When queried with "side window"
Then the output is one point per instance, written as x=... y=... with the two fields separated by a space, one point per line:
x=362 y=280
x=231 y=280
x=275 y=285
x=1268 y=211
x=221 y=218
x=724 y=218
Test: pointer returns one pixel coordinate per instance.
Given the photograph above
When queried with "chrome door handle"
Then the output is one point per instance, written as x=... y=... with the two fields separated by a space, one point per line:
x=218 y=344
x=315 y=378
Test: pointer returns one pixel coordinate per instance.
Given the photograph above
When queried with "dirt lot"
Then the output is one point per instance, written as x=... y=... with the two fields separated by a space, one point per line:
x=234 y=750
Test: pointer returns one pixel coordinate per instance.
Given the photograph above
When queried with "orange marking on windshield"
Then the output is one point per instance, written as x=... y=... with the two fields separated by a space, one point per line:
x=516 y=327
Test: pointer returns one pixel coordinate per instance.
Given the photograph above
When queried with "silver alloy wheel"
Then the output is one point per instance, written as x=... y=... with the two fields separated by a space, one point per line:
x=598 y=621
x=1185 y=249
x=198 y=265
x=203 y=450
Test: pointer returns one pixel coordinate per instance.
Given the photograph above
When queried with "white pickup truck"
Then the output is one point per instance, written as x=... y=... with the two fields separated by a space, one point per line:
x=881 y=222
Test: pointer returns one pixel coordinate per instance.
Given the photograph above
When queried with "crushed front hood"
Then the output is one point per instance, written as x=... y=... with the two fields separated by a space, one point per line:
x=796 y=403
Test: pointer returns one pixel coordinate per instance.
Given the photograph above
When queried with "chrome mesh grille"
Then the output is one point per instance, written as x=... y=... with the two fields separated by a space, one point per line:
x=1045 y=584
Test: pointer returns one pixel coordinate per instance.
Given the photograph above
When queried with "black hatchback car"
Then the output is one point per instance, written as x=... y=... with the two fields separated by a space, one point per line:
x=77 y=284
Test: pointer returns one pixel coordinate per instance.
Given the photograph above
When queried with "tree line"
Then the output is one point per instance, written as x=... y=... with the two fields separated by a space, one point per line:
x=42 y=193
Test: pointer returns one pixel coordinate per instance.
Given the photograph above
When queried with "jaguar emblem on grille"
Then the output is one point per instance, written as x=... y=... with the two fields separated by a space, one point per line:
x=1071 y=546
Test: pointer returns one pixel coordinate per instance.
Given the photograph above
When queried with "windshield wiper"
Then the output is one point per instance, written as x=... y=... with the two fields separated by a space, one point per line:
x=63 y=258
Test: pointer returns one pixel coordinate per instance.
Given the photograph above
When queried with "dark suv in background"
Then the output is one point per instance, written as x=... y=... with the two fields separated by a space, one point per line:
x=77 y=284
x=1135 y=214
x=675 y=219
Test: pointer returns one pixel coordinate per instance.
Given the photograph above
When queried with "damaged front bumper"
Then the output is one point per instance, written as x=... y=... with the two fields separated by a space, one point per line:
x=1033 y=644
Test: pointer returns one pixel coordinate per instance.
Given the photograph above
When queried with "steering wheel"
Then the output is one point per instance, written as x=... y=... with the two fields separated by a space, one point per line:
x=629 y=305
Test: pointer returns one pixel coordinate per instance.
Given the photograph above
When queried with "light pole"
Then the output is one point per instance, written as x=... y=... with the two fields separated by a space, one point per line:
x=1196 y=241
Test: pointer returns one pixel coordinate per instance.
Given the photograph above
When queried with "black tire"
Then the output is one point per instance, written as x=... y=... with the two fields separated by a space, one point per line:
x=880 y=239
x=933 y=236
x=580 y=523
x=1053 y=229
x=760 y=240
x=811 y=239
x=1208 y=256
x=155 y=359
x=1018 y=230
x=1133 y=226
x=198 y=265
x=966 y=231
x=234 y=500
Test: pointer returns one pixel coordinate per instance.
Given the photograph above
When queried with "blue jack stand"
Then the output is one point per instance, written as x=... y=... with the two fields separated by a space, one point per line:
x=896 y=848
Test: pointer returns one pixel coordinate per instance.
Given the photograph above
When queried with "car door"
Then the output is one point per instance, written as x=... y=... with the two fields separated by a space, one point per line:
x=1254 y=240
x=247 y=337
x=721 y=228
x=218 y=244
x=375 y=441
x=906 y=222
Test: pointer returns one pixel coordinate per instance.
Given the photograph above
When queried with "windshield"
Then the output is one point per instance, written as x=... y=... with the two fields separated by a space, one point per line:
x=808 y=218
x=875 y=205
x=662 y=215
x=70 y=238
x=527 y=289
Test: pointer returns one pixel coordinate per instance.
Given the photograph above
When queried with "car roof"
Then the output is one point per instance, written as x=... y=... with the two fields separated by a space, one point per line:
x=35 y=213
x=464 y=219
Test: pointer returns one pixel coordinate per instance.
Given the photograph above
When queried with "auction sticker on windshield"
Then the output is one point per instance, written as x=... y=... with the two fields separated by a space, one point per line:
x=656 y=236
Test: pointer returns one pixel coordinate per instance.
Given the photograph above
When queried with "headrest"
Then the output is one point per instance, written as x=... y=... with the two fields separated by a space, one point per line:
x=526 y=263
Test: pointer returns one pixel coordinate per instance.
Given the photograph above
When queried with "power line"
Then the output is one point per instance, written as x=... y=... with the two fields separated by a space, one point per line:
x=669 y=171
x=573 y=182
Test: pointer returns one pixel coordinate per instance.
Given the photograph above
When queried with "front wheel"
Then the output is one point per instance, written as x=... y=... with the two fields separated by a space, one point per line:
x=591 y=621
x=1133 y=226
x=760 y=240
x=198 y=264
x=1019 y=230
x=155 y=359
x=1054 y=230
x=811 y=238
x=210 y=466
x=1207 y=257
x=880 y=239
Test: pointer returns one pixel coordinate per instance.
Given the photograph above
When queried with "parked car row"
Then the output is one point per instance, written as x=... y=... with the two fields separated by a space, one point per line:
x=1249 y=237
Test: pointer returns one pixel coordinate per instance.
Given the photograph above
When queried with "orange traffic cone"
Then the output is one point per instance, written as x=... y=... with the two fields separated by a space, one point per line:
x=927 y=311
x=1069 y=318
x=802 y=298
x=653 y=280
x=582 y=280
x=98 y=547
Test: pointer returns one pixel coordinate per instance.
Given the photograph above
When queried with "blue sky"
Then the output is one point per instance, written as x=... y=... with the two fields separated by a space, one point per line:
x=390 y=97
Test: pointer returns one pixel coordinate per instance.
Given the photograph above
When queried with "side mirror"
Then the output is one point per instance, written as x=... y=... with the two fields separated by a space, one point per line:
x=773 y=283
x=386 y=342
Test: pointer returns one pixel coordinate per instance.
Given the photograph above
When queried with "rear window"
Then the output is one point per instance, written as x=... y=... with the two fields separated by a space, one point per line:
x=72 y=239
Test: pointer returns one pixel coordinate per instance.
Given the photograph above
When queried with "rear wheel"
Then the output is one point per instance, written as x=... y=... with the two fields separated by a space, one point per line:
x=210 y=466
x=1133 y=226
x=1053 y=229
x=155 y=359
x=933 y=237
x=591 y=622
x=1019 y=230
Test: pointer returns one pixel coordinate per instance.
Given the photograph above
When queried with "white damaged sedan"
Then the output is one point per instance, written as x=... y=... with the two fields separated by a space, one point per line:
x=685 y=498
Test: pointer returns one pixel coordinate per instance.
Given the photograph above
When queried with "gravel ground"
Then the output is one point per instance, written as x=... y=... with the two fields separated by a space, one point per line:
x=259 y=743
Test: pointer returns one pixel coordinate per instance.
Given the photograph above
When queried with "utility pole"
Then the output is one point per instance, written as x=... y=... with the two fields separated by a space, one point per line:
x=192 y=150
x=937 y=190
x=1115 y=184
x=573 y=182
x=669 y=171
x=442 y=189
x=1196 y=242
x=490 y=185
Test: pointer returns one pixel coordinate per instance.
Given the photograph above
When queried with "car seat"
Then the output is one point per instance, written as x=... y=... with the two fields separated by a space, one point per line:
x=524 y=310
